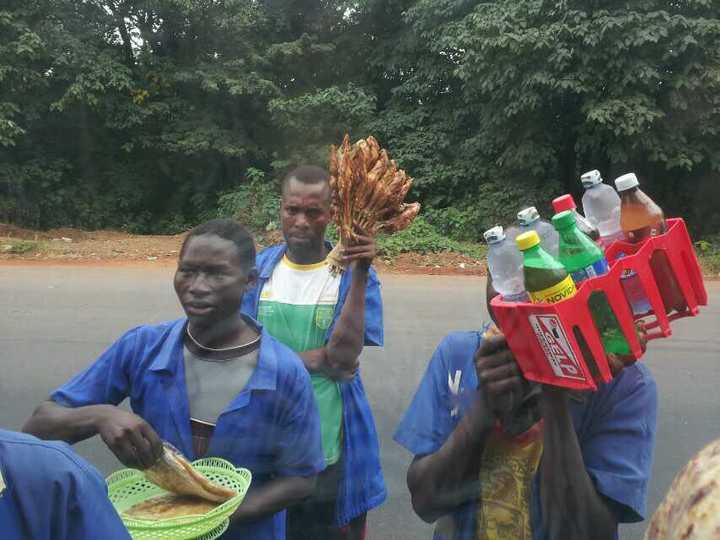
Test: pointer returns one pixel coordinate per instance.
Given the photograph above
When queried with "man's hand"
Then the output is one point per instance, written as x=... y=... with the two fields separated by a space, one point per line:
x=362 y=252
x=132 y=440
x=500 y=379
x=619 y=362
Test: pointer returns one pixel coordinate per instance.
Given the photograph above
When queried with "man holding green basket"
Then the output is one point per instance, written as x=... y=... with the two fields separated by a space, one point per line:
x=212 y=384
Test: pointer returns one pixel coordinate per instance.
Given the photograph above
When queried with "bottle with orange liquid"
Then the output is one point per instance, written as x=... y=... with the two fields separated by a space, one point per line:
x=640 y=219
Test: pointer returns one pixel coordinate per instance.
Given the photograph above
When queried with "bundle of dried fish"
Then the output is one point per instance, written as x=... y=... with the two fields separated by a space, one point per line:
x=175 y=474
x=368 y=193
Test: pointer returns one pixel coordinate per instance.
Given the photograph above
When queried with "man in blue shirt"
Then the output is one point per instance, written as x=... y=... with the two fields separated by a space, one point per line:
x=497 y=458
x=47 y=492
x=212 y=384
x=326 y=319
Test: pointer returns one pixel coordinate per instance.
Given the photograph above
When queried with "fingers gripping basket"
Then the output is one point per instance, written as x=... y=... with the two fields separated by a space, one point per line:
x=128 y=487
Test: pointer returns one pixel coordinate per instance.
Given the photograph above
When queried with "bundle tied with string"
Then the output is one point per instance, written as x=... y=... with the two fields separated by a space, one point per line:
x=368 y=193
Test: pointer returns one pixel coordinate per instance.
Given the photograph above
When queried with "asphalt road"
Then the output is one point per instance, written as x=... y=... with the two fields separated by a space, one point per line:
x=58 y=319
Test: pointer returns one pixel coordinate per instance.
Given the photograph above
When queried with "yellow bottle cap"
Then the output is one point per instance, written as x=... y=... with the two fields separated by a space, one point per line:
x=527 y=240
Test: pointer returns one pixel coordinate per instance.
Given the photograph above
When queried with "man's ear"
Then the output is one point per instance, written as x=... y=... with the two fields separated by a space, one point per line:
x=252 y=278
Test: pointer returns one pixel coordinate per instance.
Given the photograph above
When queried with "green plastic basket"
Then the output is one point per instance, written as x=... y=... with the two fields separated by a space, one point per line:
x=128 y=487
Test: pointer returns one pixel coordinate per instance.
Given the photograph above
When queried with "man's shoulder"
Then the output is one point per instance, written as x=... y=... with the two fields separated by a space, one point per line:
x=634 y=379
x=458 y=345
x=152 y=332
x=269 y=254
x=33 y=459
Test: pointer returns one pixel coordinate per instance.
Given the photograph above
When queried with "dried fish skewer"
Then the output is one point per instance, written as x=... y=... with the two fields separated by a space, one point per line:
x=368 y=190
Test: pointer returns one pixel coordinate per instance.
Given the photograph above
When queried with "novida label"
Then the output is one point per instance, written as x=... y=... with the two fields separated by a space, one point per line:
x=556 y=293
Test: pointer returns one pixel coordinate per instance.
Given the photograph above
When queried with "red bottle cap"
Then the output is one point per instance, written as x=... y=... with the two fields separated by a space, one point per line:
x=562 y=203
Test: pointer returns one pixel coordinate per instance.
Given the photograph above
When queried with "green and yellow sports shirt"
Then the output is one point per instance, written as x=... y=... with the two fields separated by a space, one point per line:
x=296 y=307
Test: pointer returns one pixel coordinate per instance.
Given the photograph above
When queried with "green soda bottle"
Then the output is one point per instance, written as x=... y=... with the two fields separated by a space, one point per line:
x=583 y=259
x=546 y=279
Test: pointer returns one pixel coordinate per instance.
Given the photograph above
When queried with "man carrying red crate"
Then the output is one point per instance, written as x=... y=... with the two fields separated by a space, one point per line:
x=499 y=458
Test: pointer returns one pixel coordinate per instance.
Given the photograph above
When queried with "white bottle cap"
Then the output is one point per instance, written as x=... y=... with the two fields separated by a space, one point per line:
x=626 y=181
x=494 y=235
x=528 y=216
x=591 y=178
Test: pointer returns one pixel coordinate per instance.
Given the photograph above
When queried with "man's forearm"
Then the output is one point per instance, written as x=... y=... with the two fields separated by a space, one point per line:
x=441 y=481
x=273 y=497
x=346 y=342
x=571 y=506
x=51 y=421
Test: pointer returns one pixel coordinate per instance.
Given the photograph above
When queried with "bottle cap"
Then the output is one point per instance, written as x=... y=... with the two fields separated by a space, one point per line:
x=527 y=240
x=528 y=215
x=563 y=220
x=563 y=202
x=591 y=178
x=494 y=235
x=626 y=181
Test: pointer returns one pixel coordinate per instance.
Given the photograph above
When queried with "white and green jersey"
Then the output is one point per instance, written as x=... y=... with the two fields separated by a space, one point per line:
x=296 y=307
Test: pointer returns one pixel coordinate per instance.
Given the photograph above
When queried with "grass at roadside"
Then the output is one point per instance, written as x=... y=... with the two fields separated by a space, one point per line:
x=708 y=252
x=20 y=247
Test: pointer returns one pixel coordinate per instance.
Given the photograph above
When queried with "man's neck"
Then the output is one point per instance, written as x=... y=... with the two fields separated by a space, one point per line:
x=226 y=333
x=311 y=255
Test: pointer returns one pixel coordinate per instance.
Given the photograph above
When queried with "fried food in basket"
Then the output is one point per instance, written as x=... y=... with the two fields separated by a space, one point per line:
x=175 y=474
x=170 y=506
x=368 y=191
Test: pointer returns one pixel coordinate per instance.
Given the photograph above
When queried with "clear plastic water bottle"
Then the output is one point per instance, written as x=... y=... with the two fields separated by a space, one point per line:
x=529 y=220
x=505 y=264
x=566 y=202
x=601 y=205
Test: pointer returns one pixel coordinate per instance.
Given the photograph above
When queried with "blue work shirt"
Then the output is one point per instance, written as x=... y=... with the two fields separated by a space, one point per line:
x=362 y=486
x=615 y=427
x=271 y=427
x=47 y=492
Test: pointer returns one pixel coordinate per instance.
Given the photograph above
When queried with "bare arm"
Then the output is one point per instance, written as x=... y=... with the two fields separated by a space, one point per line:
x=51 y=421
x=129 y=437
x=571 y=506
x=339 y=359
x=442 y=481
x=273 y=497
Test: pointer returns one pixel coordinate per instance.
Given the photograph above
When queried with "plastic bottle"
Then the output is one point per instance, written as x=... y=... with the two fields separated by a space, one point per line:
x=641 y=218
x=529 y=220
x=583 y=259
x=566 y=202
x=601 y=206
x=505 y=264
x=546 y=279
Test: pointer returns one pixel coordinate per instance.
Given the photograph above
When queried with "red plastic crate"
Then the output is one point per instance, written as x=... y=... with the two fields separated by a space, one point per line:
x=544 y=337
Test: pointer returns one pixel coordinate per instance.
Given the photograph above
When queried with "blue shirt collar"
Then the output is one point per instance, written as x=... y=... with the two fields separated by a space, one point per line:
x=263 y=378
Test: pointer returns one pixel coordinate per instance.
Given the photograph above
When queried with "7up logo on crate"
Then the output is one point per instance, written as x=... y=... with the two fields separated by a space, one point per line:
x=557 y=348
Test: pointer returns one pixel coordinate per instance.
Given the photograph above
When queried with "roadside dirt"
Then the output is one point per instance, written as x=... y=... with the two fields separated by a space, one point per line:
x=112 y=248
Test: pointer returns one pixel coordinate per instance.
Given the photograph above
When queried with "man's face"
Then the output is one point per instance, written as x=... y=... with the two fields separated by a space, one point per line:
x=305 y=214
x=210 y=279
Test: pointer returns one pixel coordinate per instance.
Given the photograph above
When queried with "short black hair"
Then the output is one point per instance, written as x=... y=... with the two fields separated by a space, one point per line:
x=231 y=230
x=306 y=174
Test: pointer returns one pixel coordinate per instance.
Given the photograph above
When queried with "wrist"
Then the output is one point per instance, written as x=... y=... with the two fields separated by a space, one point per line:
x=553 y=399
x=100 y=415
x=362 y=266
x=481 y=419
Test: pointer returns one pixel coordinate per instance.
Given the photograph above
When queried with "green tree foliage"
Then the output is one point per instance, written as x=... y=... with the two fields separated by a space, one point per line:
x=151 y=114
